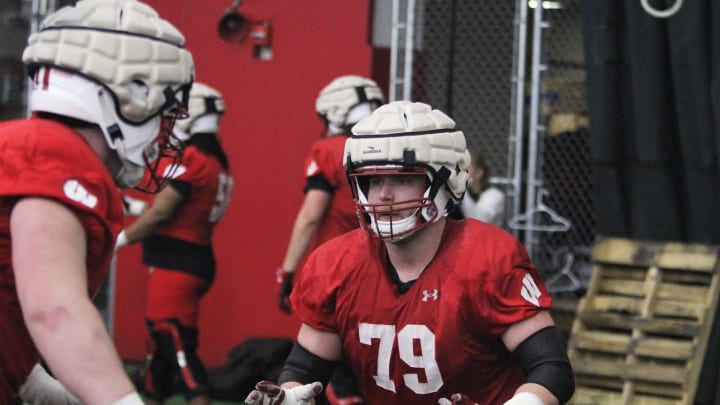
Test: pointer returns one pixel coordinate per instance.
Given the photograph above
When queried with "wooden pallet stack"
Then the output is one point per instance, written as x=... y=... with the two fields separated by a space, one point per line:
x=640 y=332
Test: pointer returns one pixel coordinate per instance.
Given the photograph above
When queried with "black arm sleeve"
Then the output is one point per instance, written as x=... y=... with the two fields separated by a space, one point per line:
x=318 y=182
x=305 y=367
x=544 y=359
x=182 y=187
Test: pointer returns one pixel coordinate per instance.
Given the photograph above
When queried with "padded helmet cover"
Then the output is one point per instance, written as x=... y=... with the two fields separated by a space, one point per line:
x=122 y=44
x=204 y=101
x=338 y=98
x=384 y=137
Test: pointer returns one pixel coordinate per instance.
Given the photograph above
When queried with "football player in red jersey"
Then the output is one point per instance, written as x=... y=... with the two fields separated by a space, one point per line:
x=426 y=310
x=176 y=232
x=102 y=115
x=327 y=210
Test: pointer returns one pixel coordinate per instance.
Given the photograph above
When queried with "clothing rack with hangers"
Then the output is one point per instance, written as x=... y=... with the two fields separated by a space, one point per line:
x=540 y=218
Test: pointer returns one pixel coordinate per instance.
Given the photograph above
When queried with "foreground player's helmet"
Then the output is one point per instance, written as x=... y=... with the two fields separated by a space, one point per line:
x=406 y=138
x=116 y=64
x=205 y=108
x=346 y=100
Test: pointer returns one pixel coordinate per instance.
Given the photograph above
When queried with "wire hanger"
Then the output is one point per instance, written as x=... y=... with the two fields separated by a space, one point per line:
x=528 y=221
x=573 y=283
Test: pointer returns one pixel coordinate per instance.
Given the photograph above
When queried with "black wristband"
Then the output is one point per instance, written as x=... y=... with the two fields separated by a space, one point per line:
x=544 y=359
x=305 y=367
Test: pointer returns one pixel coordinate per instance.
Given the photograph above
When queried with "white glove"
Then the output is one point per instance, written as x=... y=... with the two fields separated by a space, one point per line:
x=133 y=206
x=524 y=398
x=121 y=240
x=132 y=398
x=269 y=393
x=41 y=388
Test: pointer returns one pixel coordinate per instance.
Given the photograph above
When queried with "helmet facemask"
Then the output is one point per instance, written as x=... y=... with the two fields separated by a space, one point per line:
x=165 y=151
x=389 y=220
x=141 y=147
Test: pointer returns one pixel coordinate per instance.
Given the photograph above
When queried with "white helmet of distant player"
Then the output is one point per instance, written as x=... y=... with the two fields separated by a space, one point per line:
x=406 y=138
x=346 y=100
x=205 y=108
x=116 y=64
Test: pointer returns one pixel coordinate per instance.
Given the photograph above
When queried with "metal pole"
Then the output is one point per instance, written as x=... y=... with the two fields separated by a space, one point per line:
x=451 y=60
x=409 y=48
x=110 y=308
x=517 y=112
x=535 y=127
x=392 y=93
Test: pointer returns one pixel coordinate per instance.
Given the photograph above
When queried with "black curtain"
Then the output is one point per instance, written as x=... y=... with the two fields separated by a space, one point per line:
x=653 y=105
x=654 y=108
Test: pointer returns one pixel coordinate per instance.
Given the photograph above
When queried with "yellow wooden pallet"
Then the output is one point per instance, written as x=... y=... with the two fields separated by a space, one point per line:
x=640 y=332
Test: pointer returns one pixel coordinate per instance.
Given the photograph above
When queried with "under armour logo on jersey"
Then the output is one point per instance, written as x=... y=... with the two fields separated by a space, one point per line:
x=311 y=169
x=427 y=295
x=76 y=192
x=530 y=290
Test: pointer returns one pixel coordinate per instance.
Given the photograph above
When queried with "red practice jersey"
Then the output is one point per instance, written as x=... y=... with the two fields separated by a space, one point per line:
x=211 y=188
x=326 y=159
x=46 y=159
x=443 y=335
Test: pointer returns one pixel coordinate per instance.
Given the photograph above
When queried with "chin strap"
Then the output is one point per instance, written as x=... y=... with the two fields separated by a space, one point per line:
x=440 y=200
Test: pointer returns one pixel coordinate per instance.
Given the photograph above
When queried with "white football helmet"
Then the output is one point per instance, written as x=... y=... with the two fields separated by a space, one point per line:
x=406 y=138
x=346 y=100
x=116 y=64
x=205 y=108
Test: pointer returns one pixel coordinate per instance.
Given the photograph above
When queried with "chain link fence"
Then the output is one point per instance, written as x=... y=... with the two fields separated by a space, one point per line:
x=564 y=165
x=476 y=61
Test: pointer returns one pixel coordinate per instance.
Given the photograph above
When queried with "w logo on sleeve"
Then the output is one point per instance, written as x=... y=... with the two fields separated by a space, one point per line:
x=530 y=290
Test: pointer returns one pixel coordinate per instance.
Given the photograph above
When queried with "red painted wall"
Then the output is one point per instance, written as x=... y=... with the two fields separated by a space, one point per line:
x=269 y=125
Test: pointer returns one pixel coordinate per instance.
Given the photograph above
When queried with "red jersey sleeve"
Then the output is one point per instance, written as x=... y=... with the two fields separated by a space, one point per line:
x=48 y=159
x=499 y=274
x=326 y=159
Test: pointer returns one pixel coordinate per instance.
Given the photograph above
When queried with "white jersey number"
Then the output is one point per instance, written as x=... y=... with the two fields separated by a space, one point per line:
x=406 y=339
x=222 y=199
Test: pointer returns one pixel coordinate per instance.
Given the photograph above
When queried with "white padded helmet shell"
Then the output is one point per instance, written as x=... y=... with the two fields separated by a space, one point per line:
x=404 y=135
x=205 y=107
x=392 y=129
x=120 y=44
x=338 y=98
x=136 y=61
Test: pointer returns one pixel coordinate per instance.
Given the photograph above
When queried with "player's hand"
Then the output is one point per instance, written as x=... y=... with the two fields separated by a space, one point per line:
x=269 y=393
x=285 y=280
x=457 y=399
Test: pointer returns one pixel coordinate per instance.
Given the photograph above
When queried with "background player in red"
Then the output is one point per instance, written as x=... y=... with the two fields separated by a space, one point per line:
x=327 y=210
x=97 y=124
x=176 y=232
x=425 y=309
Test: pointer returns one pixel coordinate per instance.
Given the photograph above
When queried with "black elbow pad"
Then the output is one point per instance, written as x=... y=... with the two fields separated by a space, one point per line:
x=305 y=367
x=544 y=359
